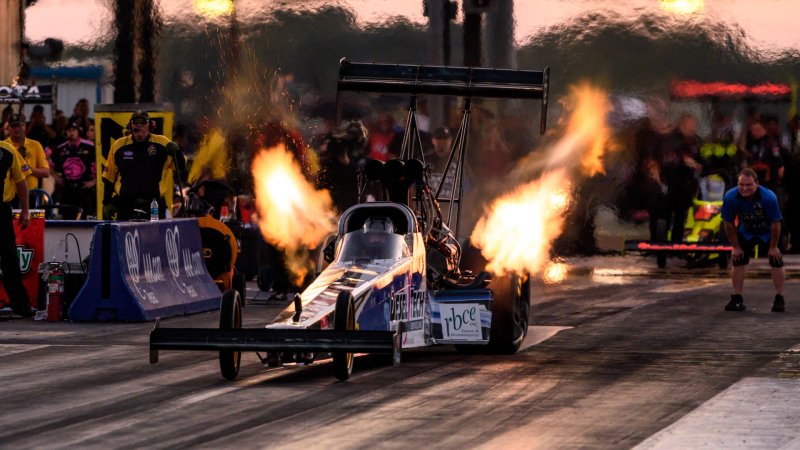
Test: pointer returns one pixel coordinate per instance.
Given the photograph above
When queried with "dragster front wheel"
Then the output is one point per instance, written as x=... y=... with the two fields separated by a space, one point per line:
x=230 y=317
x=510 y=311
x=344 y=319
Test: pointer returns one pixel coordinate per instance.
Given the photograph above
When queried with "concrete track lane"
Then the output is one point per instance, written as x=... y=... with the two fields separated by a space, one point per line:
x=617 y=357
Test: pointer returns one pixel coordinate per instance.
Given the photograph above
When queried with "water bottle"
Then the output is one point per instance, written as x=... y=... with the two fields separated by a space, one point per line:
x=154 y=211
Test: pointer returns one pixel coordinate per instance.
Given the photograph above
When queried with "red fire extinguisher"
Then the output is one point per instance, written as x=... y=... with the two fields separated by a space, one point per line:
x=55 y=292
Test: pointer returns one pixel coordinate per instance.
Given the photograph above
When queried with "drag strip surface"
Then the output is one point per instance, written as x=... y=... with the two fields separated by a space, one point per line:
x=641 y=361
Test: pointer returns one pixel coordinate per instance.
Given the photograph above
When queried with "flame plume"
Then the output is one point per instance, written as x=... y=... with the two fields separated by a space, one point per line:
x=516 y=231
x=293 y=216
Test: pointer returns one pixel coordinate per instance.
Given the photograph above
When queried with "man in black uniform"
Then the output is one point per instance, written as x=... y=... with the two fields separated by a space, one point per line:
x=141 y=161
x=75 y=172
x=13 y=170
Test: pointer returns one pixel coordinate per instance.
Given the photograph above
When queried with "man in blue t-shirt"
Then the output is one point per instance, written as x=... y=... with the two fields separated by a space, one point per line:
x=759 y=216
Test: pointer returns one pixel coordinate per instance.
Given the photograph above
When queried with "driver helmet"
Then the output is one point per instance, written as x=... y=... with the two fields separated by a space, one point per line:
x=378 y=224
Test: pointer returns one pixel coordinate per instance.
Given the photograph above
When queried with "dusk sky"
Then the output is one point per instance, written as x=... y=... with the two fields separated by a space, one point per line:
x=769 y=25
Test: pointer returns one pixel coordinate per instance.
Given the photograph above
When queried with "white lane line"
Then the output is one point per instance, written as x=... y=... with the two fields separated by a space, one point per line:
x=34 y=334
x=755 y=413
x=13 y=349
x=539 y=334
x=215 y=392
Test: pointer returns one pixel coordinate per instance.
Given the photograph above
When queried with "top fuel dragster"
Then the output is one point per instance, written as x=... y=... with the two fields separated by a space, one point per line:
x=396 y=276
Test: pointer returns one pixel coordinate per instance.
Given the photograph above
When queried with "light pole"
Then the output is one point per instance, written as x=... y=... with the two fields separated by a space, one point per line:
x=11 y=37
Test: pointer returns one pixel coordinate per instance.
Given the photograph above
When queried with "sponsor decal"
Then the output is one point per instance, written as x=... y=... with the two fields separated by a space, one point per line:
x=26 y=167
x=132 y=254
x=414 y=325
x=402 y=309
x=74 y=168
x=172 y=241
x=20 y=92
x=147 y=270
x=399 y=308
x=460 y=321
x=24 y=256
x=150 y=267
x=193 y=263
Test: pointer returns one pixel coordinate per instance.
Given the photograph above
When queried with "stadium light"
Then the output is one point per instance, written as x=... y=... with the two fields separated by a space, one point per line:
x=214 y=9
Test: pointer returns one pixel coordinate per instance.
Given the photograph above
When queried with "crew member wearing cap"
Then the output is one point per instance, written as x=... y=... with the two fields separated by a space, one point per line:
x=141 y=161
x=30 y=150
x=442 y=141
x=74 y=168
x=436 y=159
x=13 y=170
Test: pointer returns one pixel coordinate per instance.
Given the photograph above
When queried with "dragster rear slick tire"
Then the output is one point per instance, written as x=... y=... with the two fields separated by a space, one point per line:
x=344 y=319
x=230 y=317
x=511 y=309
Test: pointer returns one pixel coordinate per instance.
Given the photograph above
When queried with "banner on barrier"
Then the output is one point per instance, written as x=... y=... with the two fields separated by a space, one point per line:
x=142 y=271
x=30 y=253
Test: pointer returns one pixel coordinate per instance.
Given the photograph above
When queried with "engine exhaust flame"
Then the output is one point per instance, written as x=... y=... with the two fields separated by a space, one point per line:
x=555 y=272
x=516 y=231
x=293 y=216
x=516 y=234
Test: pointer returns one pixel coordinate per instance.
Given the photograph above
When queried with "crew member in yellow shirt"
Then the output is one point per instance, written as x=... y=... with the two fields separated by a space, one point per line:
x=30 y=150
x=13 y=170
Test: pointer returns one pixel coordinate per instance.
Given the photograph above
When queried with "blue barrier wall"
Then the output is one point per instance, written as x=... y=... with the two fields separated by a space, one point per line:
x=139 y=271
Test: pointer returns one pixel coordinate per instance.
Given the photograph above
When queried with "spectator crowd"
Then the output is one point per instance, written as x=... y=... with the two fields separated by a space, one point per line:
x=672 y=161
x=675 y=163
x=61 y=156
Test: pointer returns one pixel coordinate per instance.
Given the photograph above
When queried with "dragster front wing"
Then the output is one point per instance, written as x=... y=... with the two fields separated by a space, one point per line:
x=274 y=340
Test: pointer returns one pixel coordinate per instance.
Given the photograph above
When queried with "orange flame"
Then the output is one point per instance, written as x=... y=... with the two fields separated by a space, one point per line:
x=516 y=232
x=293 y=216
x=586 y=135
x=555 y=272
x=515 y=236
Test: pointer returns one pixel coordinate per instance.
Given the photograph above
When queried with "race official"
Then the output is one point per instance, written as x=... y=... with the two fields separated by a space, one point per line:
x=74 y=166
x=759 y=216
x=142 y=161
x=13 y=169
x=30 y=150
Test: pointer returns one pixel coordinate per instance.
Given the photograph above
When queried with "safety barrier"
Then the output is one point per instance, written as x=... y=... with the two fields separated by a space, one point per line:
x=139 y=271
x=30 y=243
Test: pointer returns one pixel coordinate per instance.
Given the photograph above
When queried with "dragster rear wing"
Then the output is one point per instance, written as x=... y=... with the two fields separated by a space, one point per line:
x=443 y=80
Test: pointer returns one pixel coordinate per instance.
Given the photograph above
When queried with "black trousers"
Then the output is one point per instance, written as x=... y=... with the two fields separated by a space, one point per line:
x=12 y=277
x=670 y=207
x=72 y=193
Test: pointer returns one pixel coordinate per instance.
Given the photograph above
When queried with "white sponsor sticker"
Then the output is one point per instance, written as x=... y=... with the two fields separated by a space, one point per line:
x=460 y=321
